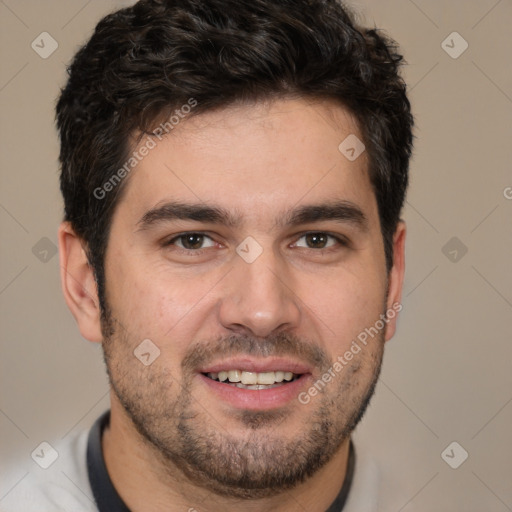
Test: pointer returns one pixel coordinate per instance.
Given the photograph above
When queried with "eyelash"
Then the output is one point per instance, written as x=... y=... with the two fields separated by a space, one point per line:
x=341 y=241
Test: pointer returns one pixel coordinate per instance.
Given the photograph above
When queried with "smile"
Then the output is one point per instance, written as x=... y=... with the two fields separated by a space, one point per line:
x=253 y=380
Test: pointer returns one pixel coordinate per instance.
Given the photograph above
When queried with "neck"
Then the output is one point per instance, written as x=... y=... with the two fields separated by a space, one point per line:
x=147 y=482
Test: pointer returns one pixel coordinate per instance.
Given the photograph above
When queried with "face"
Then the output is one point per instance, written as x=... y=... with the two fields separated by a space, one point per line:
x=247 y=249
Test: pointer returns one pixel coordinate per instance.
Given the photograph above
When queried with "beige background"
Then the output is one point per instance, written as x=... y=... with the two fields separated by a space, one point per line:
x=446 y=374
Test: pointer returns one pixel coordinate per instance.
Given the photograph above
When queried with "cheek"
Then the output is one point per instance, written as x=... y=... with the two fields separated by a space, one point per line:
x=345 y=303
x=155 y=310
x=166 y=307
x=141 y=293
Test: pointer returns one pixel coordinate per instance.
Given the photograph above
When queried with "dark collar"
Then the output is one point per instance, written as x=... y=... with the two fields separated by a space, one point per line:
x=339 y=503
x=105 y=494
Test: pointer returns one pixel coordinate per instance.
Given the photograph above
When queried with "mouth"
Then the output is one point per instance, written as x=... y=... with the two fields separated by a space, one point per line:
x=255 y=384
x=253 y=380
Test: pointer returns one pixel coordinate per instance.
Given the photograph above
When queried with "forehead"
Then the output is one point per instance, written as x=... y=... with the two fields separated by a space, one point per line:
x=254 y=159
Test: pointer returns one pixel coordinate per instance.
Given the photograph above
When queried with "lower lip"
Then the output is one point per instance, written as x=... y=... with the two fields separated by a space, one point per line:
x=256 y=399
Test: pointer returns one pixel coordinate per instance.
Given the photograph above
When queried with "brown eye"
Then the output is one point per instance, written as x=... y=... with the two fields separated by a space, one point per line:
x=192 y=241
x=316 y=240
x=319 y=240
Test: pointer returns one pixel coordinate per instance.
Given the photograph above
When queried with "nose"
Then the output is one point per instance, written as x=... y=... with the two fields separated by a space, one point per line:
x=258 y=298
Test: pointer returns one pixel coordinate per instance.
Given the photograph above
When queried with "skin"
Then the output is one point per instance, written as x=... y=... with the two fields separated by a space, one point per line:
x=299 y=299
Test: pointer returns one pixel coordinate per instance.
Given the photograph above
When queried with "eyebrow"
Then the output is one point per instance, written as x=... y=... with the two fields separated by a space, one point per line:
x=342 y=211
x=187 y=211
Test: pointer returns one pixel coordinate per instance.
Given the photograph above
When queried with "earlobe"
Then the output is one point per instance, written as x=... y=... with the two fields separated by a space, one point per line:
x=396 y=279
x=78 y=284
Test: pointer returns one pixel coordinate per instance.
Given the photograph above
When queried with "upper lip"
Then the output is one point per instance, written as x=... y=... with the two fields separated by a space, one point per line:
x=269 y=364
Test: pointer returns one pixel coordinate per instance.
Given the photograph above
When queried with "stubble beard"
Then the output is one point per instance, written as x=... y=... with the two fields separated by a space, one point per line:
x=265 y=460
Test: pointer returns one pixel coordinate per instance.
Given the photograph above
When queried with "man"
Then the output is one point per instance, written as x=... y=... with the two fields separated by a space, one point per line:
x=233 y=175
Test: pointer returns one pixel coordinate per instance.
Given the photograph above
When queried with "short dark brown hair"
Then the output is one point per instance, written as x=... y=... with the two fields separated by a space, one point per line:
x=145 y=61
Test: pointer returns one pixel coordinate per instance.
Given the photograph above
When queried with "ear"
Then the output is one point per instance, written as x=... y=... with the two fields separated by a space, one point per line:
x=396 y=280
x=78 y=284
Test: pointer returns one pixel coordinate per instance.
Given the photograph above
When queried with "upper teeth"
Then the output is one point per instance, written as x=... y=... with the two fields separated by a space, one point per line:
x=252 y=377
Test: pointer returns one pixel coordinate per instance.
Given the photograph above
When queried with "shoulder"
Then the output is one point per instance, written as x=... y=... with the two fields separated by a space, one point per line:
x=53 y=479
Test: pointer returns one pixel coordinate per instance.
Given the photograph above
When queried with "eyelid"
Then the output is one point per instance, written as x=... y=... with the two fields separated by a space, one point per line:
x=340 y=239
x=171 y=241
